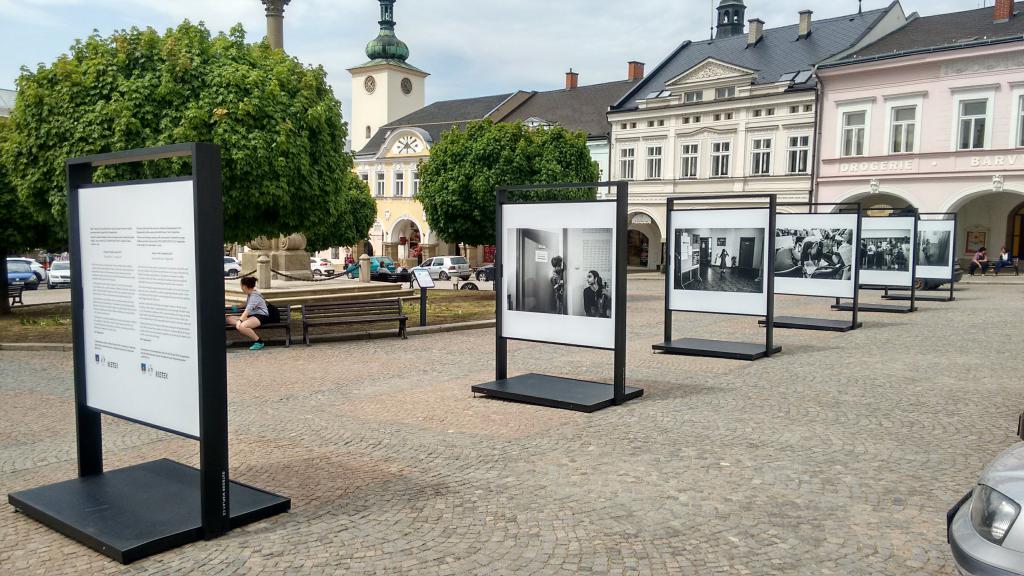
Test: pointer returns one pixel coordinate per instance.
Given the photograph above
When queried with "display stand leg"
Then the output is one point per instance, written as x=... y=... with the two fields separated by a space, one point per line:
x=423 y=306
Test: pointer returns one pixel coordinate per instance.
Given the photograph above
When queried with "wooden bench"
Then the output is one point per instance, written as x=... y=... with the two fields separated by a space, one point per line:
x=285 y=323
x=995 y=271
x=354 y=312
x=14 y=293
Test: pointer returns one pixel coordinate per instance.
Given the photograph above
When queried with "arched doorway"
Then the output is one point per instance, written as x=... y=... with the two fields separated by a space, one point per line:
x=877 y=203
x=644 y=242
x=406 y=234
x=991 y=219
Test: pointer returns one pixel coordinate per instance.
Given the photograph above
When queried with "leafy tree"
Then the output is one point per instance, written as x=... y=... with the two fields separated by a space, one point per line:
x=280 y=128
x=457 y=182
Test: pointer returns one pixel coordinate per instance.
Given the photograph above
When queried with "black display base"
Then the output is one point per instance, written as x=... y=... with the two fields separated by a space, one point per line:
x=138 y=511
x=799 y=323
x=919 y=297
x=715 y=349
x=555 y=392
x=890 y=308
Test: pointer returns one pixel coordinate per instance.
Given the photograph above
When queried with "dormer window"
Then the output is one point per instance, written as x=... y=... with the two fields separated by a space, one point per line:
x=726 y=92
x=693 y=96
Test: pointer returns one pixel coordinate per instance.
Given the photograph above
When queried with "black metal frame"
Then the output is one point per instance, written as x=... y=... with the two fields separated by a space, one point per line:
x=509 y=388
x=796 y=323
x=889 y=308
x=952 y=267
x=716 y=348
x=213 y=485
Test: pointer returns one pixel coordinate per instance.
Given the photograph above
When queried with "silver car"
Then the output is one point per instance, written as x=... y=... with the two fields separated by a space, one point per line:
x=445 y=267
x=982 y=528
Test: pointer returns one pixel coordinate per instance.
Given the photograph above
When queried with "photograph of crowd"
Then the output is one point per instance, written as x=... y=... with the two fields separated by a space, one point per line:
x=885 y=250
x=719 y=259
x=933 y=247
x=565 y=271
x=817 y=253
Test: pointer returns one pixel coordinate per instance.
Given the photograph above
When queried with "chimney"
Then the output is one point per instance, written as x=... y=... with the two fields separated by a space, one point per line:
x=572 y=79
x=805 y=23
x=636 y=71
x=1004 y=11
x=754 y=31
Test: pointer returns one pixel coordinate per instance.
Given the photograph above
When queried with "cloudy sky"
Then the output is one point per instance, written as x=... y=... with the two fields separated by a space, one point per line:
x=470 y=47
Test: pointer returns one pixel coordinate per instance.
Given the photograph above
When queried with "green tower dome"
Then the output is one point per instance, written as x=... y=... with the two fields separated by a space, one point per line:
x=387 y=46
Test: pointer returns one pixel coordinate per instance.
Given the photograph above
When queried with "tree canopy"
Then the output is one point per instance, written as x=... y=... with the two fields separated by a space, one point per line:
x=282 y=137
x=457 y=182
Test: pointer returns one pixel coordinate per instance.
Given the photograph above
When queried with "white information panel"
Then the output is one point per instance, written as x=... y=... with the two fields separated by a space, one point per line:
x=887 y=251
x=558 y=279
x=716 y=261
x=935 y=248
x=139 y=303
x=814 y=254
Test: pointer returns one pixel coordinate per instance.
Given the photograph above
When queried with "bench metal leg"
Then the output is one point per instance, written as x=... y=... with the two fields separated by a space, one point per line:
x=305 y=334
x=402 y=330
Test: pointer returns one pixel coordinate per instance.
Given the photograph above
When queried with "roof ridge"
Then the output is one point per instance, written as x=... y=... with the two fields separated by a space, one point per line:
x=598 y=85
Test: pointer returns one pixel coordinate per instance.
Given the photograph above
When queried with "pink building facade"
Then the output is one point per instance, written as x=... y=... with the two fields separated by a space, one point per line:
x=939 y=130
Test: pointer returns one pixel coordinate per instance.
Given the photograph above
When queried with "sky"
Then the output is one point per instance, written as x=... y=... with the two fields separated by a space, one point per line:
x=470 y=47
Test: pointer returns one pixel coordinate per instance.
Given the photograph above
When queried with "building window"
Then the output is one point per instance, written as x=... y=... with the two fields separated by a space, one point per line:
x=799 y=151
x=1020 y=122
x=720 y=152
x=415 y=182
x=904 y=128
x=727 y=92
x=335 y=253
x=661 y=123
x=653 y=162
x=854 y=126
x=761 y=161
x=626 y=158
x=769 y=111
x=757 y=112
x=623 y=126
x=368 y=134
x=728 y=116
x=686 y=120
x=808 y=107
x=972 y=124
x=794 y=109
x=399 y=184
x=650 y=123
x=690 y=158
x=696 y=119
x=717 y=117
x=380 y=183
x=694 y=96
x=632 y=124
x=366 y=178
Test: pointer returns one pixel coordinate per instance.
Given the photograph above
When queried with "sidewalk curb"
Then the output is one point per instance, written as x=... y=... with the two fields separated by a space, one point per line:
x=35 y=347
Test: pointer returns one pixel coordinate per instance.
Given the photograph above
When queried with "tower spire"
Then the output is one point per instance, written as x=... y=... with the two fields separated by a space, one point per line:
x=387 y=46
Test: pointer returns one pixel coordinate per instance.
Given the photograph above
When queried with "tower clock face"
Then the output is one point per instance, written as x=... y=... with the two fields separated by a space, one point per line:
x=370 y=84
x=406 y=86
x=407 y=145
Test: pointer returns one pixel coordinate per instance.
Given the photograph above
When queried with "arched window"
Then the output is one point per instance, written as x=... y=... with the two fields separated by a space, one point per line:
x=736 y=17
x=368 y=134
x=726 y=18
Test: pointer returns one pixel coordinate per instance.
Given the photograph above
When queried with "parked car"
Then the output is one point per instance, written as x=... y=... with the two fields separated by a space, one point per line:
x=38 y=269
x=485 y=272
x=321 y=267
x=19 y=272
x=982 y=529
x=376 y=262
x=930 y=284
x=445 y=267
x=382 y=274
x=59 y=275
x=232 y=267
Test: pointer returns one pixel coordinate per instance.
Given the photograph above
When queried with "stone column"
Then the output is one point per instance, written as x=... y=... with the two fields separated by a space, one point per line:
x=391 y=250
x=429 y=250
x=263 y=272
x=275 y=22
x=364 y=269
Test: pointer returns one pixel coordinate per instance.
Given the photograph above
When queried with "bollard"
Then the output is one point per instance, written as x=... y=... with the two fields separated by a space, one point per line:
x=364 y=268
x=263 y=271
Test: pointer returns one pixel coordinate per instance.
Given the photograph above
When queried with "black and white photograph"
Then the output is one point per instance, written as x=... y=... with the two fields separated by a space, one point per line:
x=733 y=264
x=815 y=254
x=558 y=278
x=935 y=248
x=717 y=261
x=888 y=250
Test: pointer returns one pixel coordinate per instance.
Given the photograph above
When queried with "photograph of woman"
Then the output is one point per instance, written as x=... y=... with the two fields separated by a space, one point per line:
x=723 y=263
x=597 y=303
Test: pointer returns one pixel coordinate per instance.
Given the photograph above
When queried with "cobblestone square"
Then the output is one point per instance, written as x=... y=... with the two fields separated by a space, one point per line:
x=839 y=456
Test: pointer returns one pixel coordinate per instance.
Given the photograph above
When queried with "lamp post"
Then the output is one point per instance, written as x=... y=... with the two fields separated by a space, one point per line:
x=275 y=22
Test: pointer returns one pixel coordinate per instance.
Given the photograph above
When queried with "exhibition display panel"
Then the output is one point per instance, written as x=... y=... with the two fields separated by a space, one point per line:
x=148 y=328
x=816 y=254
x=888 y=250
x=560 y=278
x=936 y=233
x=717 y=264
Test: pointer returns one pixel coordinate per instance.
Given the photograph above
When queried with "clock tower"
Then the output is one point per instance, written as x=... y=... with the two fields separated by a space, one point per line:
x=386 y=87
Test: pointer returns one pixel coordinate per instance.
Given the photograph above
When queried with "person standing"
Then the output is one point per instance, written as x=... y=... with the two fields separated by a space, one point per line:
x=723 y=259
x=558 y=284
x=256 y=313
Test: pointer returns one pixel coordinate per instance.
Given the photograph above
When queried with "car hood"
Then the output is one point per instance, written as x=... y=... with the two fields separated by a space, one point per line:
x=1006 y=473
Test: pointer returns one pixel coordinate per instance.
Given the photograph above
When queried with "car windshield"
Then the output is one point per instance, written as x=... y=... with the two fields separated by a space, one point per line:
x=61 y=266
x=18 y=267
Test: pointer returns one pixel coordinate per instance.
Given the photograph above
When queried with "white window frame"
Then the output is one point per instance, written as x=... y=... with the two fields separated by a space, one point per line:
x=842 y=110
x=729 y=90
x=380 y=184
x=800 y=148
x=693 y=96
x=895 y=102
x=728 y=158
x=415 y=181
x=398 y=183
x=1017 y=99
x=689 y=159
x=630 y=159
x=973 y=93
x=761 y=155
x=653 y=164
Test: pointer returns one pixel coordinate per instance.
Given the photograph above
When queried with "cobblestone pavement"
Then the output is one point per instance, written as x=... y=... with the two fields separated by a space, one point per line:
x=839 y=456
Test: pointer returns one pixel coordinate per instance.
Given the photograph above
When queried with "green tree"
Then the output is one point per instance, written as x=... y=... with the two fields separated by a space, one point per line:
x=457 y=182
x=280 y=128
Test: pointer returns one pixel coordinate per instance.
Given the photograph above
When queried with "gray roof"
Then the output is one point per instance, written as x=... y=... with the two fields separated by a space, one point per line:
x=436 y=118
x=780 y=51
x=945 y=30
x=7 y=98
x=584 y=108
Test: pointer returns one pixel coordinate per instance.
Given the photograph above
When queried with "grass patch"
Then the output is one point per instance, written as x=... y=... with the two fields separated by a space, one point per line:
x=33 y=324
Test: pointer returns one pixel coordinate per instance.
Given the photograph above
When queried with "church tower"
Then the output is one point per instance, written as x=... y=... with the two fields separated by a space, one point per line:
x=730 y=18
x=386 y=87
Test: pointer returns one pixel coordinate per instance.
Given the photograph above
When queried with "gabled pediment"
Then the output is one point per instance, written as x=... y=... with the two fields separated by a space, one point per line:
x=711 y=70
